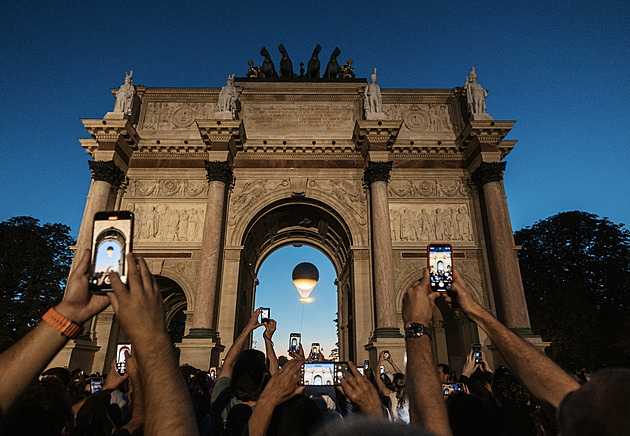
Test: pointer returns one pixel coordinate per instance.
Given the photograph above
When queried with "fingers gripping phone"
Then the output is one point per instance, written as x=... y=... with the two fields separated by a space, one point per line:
x=440 y=266
x=264 y=315
x=323 y=373
x=477 y=352
x=111 y=243
x=315 y=351
x=121 y=357
x=295 y=341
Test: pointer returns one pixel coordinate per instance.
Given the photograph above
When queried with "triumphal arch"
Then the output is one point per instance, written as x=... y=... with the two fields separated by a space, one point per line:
x=218 y=178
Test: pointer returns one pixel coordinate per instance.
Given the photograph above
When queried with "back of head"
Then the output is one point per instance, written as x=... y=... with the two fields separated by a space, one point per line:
x=508 y=391
x=42 y=410
x=373 y=427
x=61 y=374
x=469 y=415
x=249 y=375
x=296 y=416
x=599 y=407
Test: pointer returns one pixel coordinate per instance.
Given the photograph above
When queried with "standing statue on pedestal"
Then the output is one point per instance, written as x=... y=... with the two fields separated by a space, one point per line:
x=226 y=105
x=476 y=97
x=372 y=100
x=125 y=96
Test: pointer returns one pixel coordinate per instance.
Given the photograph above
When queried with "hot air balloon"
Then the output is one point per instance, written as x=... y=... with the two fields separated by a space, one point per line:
x=305 y=277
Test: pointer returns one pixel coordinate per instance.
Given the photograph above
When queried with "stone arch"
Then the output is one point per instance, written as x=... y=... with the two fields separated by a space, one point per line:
x=175 y=305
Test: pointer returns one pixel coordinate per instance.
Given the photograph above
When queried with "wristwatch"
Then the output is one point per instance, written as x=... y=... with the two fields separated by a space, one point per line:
x=415 y=330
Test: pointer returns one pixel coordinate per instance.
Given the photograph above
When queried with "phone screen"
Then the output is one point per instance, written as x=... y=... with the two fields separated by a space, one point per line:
x=440 y=266
x=386 y=355
x=315 y=351
x=477 y=352
x=451 y=388
x=96 y=384
x=264 y=315
x=382 y=370
x=361 y=370
x=111 y=243
x=213 y=373
x=366 y=364
x=294 y=342
x=323 y=373
x=121 y=357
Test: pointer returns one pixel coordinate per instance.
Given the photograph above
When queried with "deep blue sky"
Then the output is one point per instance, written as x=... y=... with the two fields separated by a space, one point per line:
x=560 y=69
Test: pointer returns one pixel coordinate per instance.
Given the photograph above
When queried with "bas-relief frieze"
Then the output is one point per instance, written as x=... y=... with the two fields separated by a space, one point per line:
x=167 y=188
x=247 y=192
x=430 y=222
x=434 y=117
x=176 y=115
x=427 y=188
x=295 y=118
x=349 y=193
x=167 y=222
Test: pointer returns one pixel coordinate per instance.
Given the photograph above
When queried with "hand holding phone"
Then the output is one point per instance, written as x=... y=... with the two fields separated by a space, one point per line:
x=122 y=350
x=295 y=341
x=264 y=315
x=440 y=258
x=477 y=353
x=315 y=352
x=111 y=244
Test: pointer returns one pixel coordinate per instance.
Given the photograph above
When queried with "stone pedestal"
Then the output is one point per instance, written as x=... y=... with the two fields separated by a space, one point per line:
x=395 y=346
x=202 y=353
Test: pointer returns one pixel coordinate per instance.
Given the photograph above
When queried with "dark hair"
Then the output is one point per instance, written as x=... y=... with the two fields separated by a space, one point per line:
x=399 y=384
x=44 y=409
x=249 y=375
x=373 y=427
x=296 y=416
x=470 y=415
x=599 y=407
x=62 y=374
x=509 y=391
x=445 y=368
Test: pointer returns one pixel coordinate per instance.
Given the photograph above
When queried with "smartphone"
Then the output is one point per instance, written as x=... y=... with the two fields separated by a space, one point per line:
x=96 y=384
x=323 y=373
x=366 y=364
x=264 y=314
x=386 y=355
x=382 y=370
x=222 y=362
x=361 y=370
x=213 y=373
x=315 y=351
x=121 y=357
x=111 y=243
x=440 y=266
x=295 y=341
x=452 y=388
x=477 y=352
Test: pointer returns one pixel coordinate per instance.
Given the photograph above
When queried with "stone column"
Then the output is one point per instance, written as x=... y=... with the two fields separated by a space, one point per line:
x=512 y=305
x=376 y=176
x=220 y=178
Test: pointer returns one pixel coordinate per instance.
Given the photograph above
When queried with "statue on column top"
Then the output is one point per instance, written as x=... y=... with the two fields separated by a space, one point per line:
x=372 y=100
x=226 y=105
x=476 y=97
x=125 y=96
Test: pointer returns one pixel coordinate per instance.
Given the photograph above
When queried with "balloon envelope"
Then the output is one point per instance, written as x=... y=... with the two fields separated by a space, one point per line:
x=305 y=277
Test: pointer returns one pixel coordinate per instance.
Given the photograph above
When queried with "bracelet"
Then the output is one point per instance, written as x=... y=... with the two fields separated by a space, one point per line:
x=265 y=336
x=65 y=326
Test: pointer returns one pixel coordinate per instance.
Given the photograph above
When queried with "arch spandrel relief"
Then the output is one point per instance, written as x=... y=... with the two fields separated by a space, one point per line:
x=348 y=193
x=250 y=194
x=430 y=222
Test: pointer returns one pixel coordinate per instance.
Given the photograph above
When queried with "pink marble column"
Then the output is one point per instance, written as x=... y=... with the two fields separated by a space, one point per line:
x=376 y=176
x=105 y=174
x=220 y=177
x=512 y=305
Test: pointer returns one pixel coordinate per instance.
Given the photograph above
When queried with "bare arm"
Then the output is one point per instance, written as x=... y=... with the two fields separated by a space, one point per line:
x=391 y=362
x=541 y=375
x=379 y=382
x=237 y=345
x=168 y=409
x=23 y=362
x=358 y=389
x=270 y=328
x=426 y=402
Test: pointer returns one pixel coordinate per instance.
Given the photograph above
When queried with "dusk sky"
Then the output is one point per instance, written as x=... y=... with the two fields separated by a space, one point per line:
x=560 y=69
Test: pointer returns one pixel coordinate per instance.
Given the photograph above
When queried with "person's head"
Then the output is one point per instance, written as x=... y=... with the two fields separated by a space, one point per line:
x=297 y=416
x=249 y=375
x=471 y=416
x=453 y=375
x=599 y=407
x=480 y=384
x=399 y=385
x=443 y=371
x=61 y=374
x=42 y=410
x=508 y=390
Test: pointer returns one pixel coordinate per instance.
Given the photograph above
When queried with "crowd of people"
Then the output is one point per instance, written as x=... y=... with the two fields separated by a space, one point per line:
x=256 y=393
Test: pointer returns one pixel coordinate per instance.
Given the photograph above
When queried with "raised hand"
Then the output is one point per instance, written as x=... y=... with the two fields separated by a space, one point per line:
x=419 y=302
x=460 y=295
x=358 y=389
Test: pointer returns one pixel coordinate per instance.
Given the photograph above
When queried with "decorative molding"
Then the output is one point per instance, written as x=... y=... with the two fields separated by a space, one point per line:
x=430 y=222
x=167 y=188
x=217 y=171
x=163 y=115
x=106 y=171
x=428 y=188
x=376 y=172
x=426 y=117
x=488 y=172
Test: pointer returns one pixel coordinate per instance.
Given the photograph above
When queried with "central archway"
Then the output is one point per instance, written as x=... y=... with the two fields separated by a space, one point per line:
x=299 y=221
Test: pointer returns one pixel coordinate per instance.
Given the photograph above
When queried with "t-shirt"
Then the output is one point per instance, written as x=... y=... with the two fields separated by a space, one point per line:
x=400 y=413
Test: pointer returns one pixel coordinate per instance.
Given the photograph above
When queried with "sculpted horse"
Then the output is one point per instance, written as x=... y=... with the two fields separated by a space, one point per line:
x=286 y=66
x=267 y=67
x=313 y=64
x=332 y=69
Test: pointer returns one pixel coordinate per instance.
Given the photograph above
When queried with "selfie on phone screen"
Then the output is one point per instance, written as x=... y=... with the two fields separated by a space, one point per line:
x=440 y=266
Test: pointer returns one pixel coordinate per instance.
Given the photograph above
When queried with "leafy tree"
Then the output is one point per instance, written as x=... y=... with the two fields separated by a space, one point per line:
x=34 y=265
x=576 y=272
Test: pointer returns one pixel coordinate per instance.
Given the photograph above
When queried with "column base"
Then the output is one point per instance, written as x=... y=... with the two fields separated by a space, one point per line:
x=200 y=352
x=387 y=332
x=396 y=347
x=76 y=354
x=202 y=333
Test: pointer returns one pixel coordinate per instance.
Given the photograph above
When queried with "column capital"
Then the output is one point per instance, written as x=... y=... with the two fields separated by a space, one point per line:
x=375 y=136
x=222 y=136
x=376 y=172
x=488 y=172
x=220 y=171
x=106 y=171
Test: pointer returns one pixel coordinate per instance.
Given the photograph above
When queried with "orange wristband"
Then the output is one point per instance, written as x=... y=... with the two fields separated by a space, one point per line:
x=65 y=326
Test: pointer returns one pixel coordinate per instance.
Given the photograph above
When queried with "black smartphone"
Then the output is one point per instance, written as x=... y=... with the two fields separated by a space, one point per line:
x=477 y=352
x=440 y=266
x=264 y=314
x=213 y=373
x=386 y=355
x=121 y=357
x=452 y=388
x=295 y=340
x=323 y=373
x=366 y=364
x=111 y=243
x=96 y=384
x=315 y=351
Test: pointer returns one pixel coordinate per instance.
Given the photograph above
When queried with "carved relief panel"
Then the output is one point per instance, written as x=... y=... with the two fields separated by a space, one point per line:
x=247 y=192
x=445 y=222
x=349 y=193
x=428 y=188
x=423 y=119
x=172 y=222
x=175 y=115
x=167 y=188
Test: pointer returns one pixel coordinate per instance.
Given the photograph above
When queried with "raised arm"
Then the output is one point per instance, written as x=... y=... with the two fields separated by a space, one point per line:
x=237 y=345
x=539 y=374
x=270 y=328
x=168 y=408
x=393 y=364
x=377 y=377
x=23 y=362
x=426 y=402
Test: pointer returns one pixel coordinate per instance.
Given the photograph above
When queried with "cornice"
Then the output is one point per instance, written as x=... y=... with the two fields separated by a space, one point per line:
x=112 y=130
x=375 y=132
x=213 y=131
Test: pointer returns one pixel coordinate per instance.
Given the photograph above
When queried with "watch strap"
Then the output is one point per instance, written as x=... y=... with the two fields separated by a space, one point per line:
x=415 y=330
x=63 y=325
